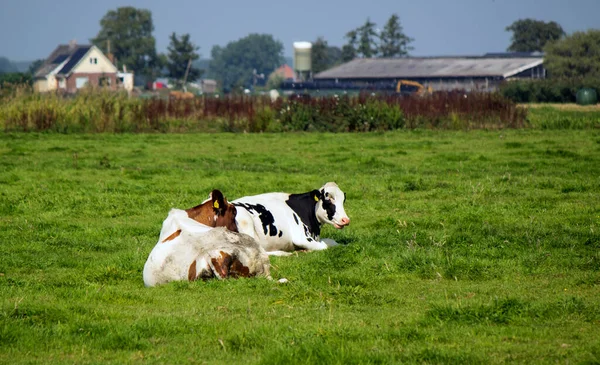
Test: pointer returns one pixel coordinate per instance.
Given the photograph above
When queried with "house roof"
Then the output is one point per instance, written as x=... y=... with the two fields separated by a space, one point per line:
x=74 y=59
x=434 y=67
x=286 y=72
x=65 y=55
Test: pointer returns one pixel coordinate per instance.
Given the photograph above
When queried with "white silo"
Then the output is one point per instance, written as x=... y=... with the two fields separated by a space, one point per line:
x=302 y=59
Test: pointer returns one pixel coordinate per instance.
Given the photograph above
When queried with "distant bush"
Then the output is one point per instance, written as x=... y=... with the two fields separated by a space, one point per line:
x=338 y=114
x=444 y=110
x=9 y=82
x=546 y=90
x=104 y=111
x=15 y=78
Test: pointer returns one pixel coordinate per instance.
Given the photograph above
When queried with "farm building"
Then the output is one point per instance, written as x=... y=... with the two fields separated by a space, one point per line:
x=483 y=73
x=71 y=67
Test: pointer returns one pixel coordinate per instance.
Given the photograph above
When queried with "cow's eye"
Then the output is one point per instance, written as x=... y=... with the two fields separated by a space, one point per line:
x=327 y=195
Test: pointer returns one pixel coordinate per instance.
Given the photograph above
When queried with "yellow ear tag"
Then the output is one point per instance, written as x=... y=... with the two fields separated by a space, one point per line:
x=316 y=198
x=216 y=205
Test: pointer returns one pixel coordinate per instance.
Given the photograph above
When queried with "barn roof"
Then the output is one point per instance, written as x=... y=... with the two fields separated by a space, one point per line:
x=434 y=67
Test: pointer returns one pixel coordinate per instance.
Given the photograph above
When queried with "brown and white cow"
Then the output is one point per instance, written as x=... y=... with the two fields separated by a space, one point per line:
x=202 y=243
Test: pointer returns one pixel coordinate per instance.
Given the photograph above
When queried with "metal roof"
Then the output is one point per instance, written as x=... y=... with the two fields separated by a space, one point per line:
x=438 y=67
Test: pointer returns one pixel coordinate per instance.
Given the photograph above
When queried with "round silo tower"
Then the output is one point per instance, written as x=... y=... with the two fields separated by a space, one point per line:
x=302 y=60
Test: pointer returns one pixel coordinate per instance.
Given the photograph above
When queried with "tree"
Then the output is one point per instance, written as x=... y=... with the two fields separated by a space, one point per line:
x=362 y=41
x=129 y=31
x=531 y=35
x=334 y=55
x=324 y=56
x=181 y=52
x=34 y=66
x=319 y=57
x=233 y=64
x=6 y=66
x=393 y=41
x=367 y=40
x=349 y=49
x=157 y=65
x=577 y=55
x=274 y=80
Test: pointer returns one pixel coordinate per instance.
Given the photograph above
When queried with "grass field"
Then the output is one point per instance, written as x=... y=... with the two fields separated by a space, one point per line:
x=465 y=247
x=563 y=106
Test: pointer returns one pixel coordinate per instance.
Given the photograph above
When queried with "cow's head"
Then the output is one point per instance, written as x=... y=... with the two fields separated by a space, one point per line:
x=330 y=206
x=215 y=212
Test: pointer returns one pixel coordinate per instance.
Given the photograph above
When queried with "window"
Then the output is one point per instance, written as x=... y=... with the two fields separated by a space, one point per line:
x=104 y=81
x=81 y=82
x=93 y=61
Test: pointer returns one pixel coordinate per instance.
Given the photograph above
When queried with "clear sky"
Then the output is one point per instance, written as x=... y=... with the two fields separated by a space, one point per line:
x=31 y=29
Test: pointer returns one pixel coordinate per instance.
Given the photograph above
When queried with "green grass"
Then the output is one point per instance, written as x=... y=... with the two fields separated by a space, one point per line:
x=563 y=116
x=464 y=247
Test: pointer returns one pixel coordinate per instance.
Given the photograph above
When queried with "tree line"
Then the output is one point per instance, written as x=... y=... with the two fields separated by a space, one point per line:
x=127 y=34
x=365 y=41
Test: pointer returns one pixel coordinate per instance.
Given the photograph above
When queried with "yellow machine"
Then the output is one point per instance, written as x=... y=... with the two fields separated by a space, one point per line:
x=421 y=90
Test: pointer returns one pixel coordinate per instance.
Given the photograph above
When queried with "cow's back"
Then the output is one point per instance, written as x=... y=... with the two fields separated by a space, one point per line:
x=268 y=219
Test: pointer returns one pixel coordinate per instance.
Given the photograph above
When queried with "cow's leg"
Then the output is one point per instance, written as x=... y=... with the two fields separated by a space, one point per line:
x=311 y=245
x=278 y=253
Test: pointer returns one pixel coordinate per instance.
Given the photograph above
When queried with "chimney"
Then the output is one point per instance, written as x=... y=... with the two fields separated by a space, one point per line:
x=109 y=55
x=72 y=44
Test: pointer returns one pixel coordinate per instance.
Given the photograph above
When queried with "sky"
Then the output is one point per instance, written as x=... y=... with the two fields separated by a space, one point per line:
x=31 y=29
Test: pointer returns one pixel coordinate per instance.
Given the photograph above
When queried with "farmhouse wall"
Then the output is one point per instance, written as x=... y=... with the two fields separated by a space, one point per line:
x=93 y=80
x=95 y=62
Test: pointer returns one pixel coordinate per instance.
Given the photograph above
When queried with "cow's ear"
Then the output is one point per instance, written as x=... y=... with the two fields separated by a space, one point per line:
x=316 y=195
x=218 y=201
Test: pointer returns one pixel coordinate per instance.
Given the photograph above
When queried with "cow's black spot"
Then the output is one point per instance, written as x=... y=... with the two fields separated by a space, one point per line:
x=280 y=233
x=328 y=205
x=266 y=218
x=308 y=234
x=329 y=208
x=296 y=219
x=304 y=206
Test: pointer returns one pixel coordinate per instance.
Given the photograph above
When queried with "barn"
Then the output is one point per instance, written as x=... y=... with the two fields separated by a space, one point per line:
x=482 y=73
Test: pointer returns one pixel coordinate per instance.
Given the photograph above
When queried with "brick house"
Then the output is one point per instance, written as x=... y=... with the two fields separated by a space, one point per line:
x=72 y=67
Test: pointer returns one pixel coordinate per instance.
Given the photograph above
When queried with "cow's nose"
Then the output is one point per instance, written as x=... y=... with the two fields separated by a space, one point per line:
x=345 y=221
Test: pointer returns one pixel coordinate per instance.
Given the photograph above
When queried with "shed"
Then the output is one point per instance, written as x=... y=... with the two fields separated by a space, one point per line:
x=483 y=73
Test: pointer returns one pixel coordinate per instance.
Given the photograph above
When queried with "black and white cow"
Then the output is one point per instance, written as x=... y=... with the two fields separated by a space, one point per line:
x=282 y=223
